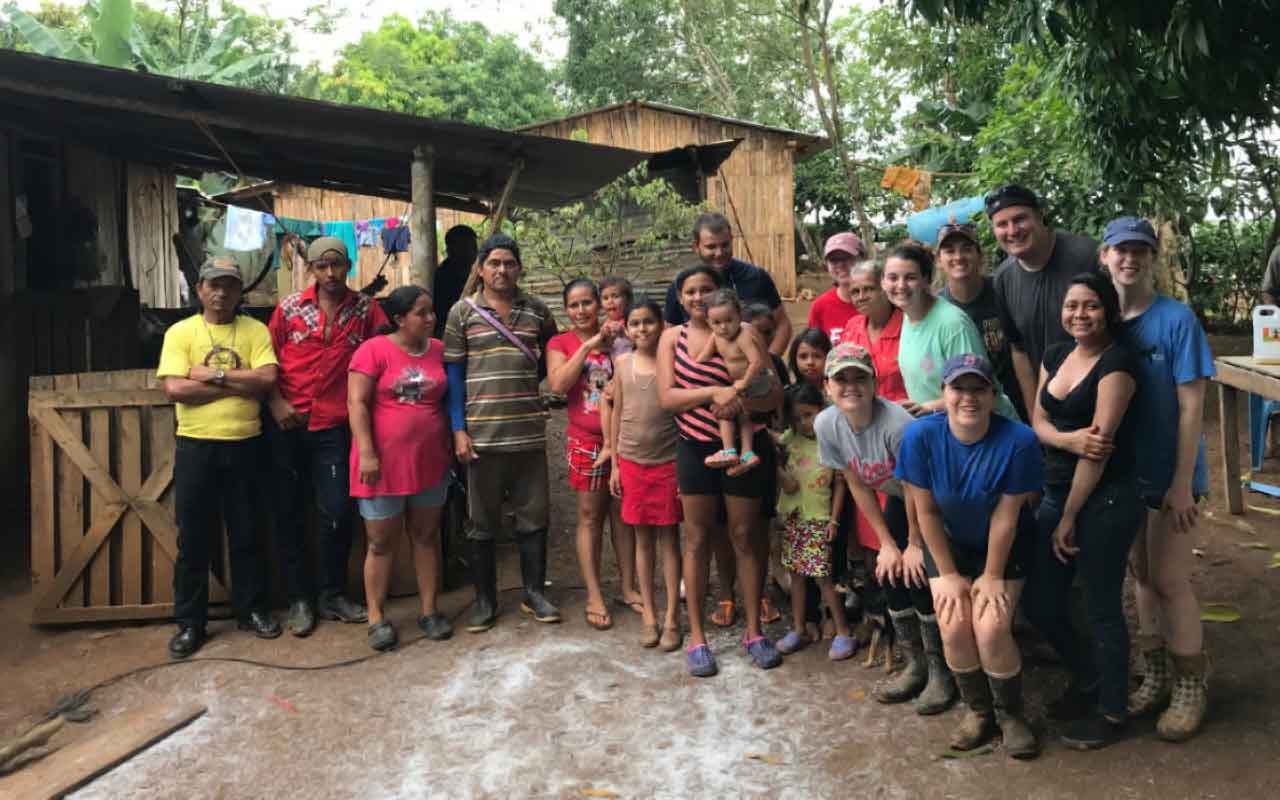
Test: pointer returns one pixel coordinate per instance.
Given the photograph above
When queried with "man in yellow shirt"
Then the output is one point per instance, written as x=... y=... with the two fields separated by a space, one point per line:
x=216 y=367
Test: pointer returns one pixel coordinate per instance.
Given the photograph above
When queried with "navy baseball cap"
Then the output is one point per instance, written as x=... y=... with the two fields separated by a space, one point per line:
x=1008 y=196
x=967 y=364
x=1129 y=229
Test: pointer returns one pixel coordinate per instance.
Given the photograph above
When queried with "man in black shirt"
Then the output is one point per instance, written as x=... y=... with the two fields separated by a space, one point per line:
x=451 y=276
x=1032 y=281
x=713 y=243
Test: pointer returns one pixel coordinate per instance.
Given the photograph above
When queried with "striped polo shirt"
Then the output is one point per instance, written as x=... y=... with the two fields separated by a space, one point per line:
x=503 y=408
x=698 y=424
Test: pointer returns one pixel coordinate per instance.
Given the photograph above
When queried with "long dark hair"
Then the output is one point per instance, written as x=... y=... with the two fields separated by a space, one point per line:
x=1101 y=285
x=916 y=253
x=577 y=283
x=815 y=338
x=399 y=303
x=697 y=269
x=646 y=303
x=802 y=393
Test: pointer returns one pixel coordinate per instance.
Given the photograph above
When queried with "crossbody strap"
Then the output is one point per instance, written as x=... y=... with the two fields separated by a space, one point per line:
x=504 y=330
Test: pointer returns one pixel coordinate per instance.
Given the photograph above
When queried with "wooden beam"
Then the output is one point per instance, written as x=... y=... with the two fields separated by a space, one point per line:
x=422 y=223
x=1229 y=421
x=495 y=220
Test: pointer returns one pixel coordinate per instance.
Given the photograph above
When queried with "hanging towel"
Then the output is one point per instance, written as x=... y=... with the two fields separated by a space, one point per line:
x=245 y=229
x=395 y=239
x=346 y=231
x=364 y=233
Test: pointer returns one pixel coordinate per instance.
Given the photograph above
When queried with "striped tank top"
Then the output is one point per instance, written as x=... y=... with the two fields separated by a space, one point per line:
x=698 y=424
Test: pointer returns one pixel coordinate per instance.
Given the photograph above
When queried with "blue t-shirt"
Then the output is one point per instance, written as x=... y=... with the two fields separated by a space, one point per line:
x=1172 y=349
x=968 y=480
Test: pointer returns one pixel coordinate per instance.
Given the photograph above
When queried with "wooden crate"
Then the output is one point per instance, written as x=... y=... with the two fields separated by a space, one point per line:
x=103 y=535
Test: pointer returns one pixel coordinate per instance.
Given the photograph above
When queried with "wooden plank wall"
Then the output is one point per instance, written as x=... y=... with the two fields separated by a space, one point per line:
x=94 y=179
x=755 y=189
x=152 y=197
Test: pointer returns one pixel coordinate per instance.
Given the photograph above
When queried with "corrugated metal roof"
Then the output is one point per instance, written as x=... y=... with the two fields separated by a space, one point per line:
x=161 y=120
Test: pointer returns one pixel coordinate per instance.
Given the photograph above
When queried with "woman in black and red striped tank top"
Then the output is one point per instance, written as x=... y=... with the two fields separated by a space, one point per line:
x=697 y=391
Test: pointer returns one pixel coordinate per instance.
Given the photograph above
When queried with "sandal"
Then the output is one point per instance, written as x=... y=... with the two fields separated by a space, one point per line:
x=791 y=643
x=722 y=458
x=671 y=639
x=725 y=615
x=600 y=620
x=767 y=612
x=649 y=635
x=635 y=605
x=747 y=463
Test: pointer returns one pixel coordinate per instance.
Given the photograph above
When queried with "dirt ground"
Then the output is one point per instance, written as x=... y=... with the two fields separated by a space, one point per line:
x=531 y=710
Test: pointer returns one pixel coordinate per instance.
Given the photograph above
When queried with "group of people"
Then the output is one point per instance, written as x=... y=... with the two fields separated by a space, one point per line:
x=978 y=442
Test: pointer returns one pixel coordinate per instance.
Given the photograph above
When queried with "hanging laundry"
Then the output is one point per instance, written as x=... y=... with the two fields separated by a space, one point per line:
x=392 y=222
x=364 y=233
x=346 y=231
x=246 y=229
x=308 y=229
x=375 y=228
x=395 y=239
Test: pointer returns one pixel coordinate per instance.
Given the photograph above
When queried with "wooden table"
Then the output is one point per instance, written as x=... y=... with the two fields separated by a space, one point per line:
x=1237 y=374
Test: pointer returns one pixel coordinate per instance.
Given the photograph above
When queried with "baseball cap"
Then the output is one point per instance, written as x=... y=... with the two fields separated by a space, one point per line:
x=848 y=354
x=844 y=243
x=963 y=229
x=317 y=249
x=1129 y=229
x=220 y=267
x=1007 y=196
x=967 y=364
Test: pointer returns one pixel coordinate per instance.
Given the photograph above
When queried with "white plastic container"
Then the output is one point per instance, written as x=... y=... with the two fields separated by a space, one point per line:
x=1266 y=334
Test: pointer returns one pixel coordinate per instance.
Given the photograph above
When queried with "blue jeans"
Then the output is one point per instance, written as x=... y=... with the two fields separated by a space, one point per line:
x=1105 y=529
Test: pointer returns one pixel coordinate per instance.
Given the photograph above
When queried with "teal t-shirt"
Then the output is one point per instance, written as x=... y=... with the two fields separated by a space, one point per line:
x=926 y=345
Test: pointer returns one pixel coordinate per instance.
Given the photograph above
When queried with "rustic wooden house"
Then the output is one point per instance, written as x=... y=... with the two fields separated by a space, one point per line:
x=754 y=187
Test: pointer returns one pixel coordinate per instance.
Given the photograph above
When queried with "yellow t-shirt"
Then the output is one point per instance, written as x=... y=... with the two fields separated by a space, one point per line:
x=188 y=343
x=813 y=500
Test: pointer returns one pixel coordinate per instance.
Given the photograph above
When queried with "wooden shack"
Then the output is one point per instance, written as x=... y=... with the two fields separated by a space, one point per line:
x=754 y=188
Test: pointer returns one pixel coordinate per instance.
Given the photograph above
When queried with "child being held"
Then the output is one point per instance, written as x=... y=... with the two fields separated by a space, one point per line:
x=616 y=297
x=744 y=358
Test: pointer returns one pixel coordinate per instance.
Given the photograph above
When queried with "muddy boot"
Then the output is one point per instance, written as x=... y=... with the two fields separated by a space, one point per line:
x=533 y=573
x=907 y=683
x=1019 y=740
x=484 y=575
x=940 y=690
x=977 y=721
x=1189 y=699
x=1152 y=694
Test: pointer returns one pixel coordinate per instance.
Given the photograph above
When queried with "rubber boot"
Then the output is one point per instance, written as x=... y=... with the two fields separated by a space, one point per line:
x=940 y=690
x=1152 y=694
x=484 y=576
x=1189 y=699
x=533 y=574
x=911 y=679
x=1019 y=740
x=978 y=720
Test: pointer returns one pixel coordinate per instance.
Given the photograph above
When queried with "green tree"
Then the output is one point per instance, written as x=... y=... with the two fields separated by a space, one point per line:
x=442 y=68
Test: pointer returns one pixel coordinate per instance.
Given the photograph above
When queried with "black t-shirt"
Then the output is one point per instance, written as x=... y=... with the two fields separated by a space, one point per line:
x=1076 y=411
x=450 y=280
x=985 y=313
x=1031 y=302
x=752 y=284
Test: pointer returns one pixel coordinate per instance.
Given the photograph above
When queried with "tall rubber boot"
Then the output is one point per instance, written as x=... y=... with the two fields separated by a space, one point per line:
x=1190 y=698
x=940 y=690
x=1153 y=693
x=911 y=679
x=533 y=574
x=484 y=576
x=1019 y=740
x=977 y=721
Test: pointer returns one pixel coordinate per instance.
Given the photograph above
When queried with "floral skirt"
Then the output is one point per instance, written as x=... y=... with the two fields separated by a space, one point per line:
x=806 y=546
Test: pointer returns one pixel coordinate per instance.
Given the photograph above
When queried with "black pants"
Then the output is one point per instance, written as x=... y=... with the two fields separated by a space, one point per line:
x=1105 y=529
x=901 y=596
x=318 y=461
x=213 y=483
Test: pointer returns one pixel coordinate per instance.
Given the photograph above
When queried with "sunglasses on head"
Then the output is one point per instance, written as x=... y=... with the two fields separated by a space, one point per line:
x=955 y=227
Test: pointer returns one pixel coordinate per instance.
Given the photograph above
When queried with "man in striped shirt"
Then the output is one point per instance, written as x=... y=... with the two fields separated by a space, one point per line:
x=499 y=424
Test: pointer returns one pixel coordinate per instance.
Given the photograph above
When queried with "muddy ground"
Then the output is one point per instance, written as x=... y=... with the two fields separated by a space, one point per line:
x=531 y=710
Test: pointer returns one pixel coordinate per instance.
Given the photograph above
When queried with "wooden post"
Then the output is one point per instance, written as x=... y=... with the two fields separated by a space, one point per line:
x=1229 y=422
x=422 y=223
x=495 y=221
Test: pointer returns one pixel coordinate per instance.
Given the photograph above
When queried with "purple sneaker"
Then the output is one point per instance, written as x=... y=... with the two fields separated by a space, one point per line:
x=763 y=653
x=702 y=664
x=791 y=643
x=841 y=648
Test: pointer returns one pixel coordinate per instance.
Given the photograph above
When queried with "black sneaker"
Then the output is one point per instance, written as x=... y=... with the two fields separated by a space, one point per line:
x=382 y=636
x=1092 y=733
x=341 y=609
x=1075 y=703
x=186 y=641
x=436 y=627
x=302 y=618
x=263 y=625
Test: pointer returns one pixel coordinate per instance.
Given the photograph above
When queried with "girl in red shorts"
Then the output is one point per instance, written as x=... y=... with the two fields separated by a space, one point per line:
x=580 y=366
x=643 y=444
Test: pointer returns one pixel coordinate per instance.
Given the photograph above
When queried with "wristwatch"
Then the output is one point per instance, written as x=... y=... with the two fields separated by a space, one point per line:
x=220 y=376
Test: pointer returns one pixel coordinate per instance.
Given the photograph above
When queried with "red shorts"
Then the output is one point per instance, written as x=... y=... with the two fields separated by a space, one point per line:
x=649 y=493
x=865 y=534
x=581 y=455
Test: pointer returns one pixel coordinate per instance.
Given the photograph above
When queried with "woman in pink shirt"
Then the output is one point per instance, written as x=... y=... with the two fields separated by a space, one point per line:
x=833 y=310
x=400 y=454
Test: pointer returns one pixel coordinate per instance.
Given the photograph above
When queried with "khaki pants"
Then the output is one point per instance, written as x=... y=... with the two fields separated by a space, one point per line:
x=517 y=481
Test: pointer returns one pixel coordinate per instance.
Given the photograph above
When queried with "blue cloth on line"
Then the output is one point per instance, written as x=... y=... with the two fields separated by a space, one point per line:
x=395 y=240
x=346 y=231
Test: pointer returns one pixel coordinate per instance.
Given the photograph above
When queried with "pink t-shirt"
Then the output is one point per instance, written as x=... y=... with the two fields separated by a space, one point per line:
x=831 y=315
x=410 y=431
x=584 y=397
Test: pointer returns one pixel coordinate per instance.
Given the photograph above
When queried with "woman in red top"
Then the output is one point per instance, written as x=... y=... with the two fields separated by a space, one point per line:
x=877 y=328
x=833 y=310
x=400 y=454
x=579 y=366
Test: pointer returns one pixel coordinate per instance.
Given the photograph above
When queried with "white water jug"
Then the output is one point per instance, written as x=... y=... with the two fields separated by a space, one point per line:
x=1266 y=334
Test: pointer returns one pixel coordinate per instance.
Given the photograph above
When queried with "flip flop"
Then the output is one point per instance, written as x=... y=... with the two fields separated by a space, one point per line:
x=635 y=605
x=600 y=620
x=748 y=462
x=721 y=458
x=767 y=612
x=724 y=614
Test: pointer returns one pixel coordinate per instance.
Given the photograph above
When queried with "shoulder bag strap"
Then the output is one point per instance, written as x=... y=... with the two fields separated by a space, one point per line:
x=504 y=330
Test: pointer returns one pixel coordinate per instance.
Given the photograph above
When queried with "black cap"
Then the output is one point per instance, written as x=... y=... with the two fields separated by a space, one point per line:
x=1009 y=195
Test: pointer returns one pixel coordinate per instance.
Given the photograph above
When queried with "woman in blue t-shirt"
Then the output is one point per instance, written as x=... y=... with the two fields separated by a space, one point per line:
x=1175 y=365
x=1090 y=511
x=971 y=474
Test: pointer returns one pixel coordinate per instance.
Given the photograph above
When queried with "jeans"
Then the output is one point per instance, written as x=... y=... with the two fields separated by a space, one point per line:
x=1105 y=529
x=321 y=461
x=212 y=483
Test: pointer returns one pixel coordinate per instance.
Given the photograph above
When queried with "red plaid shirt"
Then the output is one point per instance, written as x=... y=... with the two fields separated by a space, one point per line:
x=313 y=367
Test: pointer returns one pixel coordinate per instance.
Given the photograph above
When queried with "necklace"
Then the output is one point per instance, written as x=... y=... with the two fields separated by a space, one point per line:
x=635 y=377
x=409 y=351
x=221 y=356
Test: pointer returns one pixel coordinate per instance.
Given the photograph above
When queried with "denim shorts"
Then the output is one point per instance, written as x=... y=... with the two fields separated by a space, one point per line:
x=388 y=506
